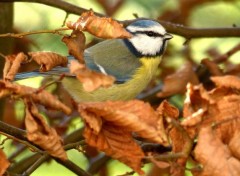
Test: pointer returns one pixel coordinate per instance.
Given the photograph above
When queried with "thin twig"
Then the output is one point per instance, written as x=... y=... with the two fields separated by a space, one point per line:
x=21 y=35
x=74 y=145
x=225 y=56
x=35 y=165
x=73 y=167
x=20 y=149
x=167 y=157
x=24 y=142
x=13 y=131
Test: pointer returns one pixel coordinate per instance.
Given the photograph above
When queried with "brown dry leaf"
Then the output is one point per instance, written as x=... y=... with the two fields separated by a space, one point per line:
x=116 y=142
x=101 y=27
x=227 y=81
x=214 y=155
x=42 y=97
x=75 y=44
x=167 y=110
x=176 y=82
x=48 y=60
x=234 y=145
x=41 y=134
x=91 y=80
x=12 y=65
x=109 y=127
x=195 y=105
x=4 y=163
x=178 y=139
x=135 y=115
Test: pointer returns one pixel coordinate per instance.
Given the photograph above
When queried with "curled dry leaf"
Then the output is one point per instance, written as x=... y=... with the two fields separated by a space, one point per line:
x=227 y=81
x=48 y=60
x=195 y=105
x=216 y=114
x=135 y=115
x=214 y=155
x=167 y=110
x=109 y=127
x=176 y=82
x=91 y=80
x=41 y=134
x=117 y=143
x=178 y=138
x=234 y=145
x=101 y=27
x=75 y=44
x=4 y=163
x=42 y=97
x=12 y=65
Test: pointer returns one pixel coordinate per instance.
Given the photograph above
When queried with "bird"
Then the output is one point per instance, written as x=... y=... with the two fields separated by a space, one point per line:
x=132 y=61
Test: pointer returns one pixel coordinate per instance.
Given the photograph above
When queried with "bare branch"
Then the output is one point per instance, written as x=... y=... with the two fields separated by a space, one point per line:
x=177 y=29
x=21 y=35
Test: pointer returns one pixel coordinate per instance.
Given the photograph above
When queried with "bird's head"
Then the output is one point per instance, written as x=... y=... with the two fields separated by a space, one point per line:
x=149 y=38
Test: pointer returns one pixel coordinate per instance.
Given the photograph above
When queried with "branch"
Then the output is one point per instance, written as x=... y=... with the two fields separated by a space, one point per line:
x=67 y=7
x=13 y=131
x=21 y=35
x=177 y=29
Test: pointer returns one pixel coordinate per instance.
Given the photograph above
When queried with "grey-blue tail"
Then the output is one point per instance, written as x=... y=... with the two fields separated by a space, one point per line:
x=55 y=71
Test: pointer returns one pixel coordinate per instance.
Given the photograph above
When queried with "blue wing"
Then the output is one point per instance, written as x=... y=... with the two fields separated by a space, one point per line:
x=110 y=57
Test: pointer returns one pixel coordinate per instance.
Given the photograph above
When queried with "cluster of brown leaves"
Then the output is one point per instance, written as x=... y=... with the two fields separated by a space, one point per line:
x=109 y=127
x=38 y=131
x=214 y=117
x=46 y=60
x=99 y=26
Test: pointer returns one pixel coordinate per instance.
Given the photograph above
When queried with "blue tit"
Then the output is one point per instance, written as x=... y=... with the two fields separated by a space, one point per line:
x=132 y=61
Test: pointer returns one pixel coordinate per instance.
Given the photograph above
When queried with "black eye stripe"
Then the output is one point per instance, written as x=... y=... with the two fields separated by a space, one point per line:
x=148 y=33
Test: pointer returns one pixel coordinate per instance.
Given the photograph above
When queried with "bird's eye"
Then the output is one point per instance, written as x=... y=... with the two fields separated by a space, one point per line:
x=151 y=34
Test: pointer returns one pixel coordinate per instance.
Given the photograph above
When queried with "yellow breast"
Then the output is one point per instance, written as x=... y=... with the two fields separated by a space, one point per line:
x=125 y=91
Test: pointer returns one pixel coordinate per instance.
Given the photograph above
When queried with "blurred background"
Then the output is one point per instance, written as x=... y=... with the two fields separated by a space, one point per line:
x=23 y=17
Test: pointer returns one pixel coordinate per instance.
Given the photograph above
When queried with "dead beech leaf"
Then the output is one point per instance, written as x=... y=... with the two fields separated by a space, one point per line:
x=167 y=110
x=115 y=122
x=101 y=27
x=116 y=142
x=178 y=139
x=4 y=163
x=91 y=80
x=234 y=145
x=195 y=105
x=135 y=116
x=214 y=155
x=43 y=97
x=41 y=134
x=75 y=44
x=48 y=60
x=228 y=81
x=227 y=116
x=12 y=65
x=176 y=82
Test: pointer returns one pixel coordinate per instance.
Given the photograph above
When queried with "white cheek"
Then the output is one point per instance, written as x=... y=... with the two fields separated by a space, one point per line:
x=147 y=45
